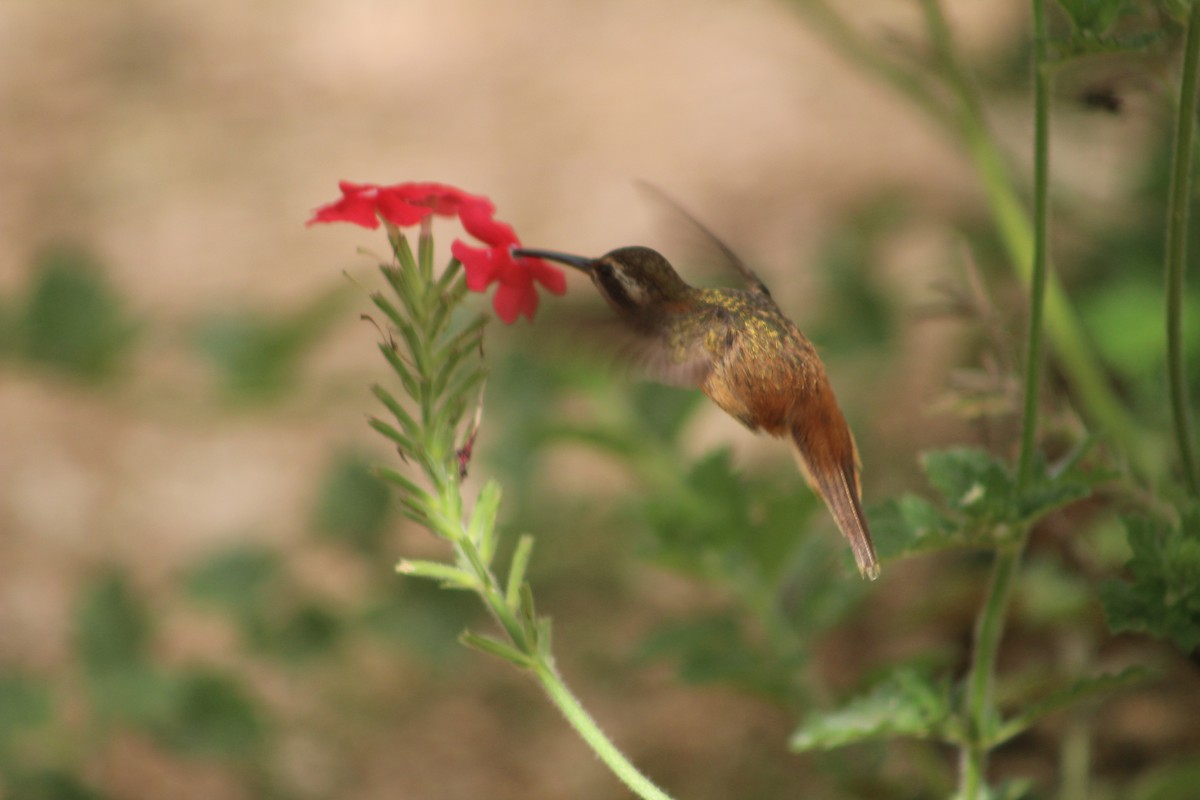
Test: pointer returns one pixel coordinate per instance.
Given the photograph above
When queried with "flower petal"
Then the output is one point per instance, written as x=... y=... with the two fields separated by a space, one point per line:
x=397 y=210
x=357 y=206
x=550 y=277
x=478 y=264
x=512 y=301
x=477 y=219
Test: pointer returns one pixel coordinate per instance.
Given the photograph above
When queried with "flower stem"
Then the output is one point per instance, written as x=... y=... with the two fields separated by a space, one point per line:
x=981 y=713
x=587 y=728
x=1177 y=220
x=989 y=629
x=1041 y=222
x=425 y=355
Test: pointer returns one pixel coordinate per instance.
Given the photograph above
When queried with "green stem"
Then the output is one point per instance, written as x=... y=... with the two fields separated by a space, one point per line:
x=981 y=712
x=587 y=728
x=989 y=629
x=1041 y=220
x=421 y=293
x=1177 y=220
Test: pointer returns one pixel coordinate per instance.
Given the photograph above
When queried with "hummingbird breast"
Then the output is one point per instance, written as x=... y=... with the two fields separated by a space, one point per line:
x=763 y=370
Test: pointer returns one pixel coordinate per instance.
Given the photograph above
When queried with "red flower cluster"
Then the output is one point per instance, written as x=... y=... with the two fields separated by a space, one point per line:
x=405 y=204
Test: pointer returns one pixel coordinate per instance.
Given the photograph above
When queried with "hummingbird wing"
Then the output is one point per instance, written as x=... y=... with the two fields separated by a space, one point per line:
x=724 y=251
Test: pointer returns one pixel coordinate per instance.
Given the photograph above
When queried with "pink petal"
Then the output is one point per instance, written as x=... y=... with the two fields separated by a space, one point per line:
x=444 y=199
x=550 y=277
x=357 y=206
x=510 y=302
x=478 y=264
x=478 y=221
x=399 y=211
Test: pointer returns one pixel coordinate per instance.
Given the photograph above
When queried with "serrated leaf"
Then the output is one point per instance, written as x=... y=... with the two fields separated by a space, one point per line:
x=971 y=481
x=1077 y=692
x=911 y=524
x=906 y=703
x=1162 y=597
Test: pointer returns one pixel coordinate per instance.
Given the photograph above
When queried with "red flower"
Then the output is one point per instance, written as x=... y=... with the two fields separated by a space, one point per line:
x=516 y=294
x=401 y=204
x=406 y=204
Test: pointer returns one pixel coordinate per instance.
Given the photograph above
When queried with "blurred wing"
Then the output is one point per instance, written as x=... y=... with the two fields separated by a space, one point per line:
x=725 y=254
x=680 y=354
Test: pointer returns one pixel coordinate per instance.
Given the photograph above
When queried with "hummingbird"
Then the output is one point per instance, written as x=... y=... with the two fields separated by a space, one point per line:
x=740 y=350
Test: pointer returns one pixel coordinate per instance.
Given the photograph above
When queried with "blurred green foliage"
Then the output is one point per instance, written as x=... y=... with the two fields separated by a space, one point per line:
x=352 y=504
x=72 y=319
x=259 y=356
x=1162 y=596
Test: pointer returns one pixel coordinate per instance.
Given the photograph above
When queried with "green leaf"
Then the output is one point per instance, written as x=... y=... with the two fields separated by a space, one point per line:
x=450 y=577
x=49 y=785
x=1162 y=597
x=1077 y=692
x=662 y=410
x=306 y=632
x=972 y=482
x=73 y=319
x=906 y=703
x=112 y=626
x=239 y=579
x=25 y=702
x=258 y=356
x=1176 y=780
x=716 y=649
x=212 y=714
x=1094 y=17
x=352 y=504
x=482 y=527
x=911 y=524
x=516 y=571
x=422 y=618
x=495 y=647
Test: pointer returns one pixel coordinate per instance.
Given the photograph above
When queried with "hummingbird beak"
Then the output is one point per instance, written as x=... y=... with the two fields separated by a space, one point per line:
x=578 y=262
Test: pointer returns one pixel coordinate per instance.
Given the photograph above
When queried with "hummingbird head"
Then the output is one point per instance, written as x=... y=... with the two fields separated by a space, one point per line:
x=632 y=279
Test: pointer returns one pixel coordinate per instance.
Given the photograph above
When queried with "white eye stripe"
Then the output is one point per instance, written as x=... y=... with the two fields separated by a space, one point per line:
x=634 y=288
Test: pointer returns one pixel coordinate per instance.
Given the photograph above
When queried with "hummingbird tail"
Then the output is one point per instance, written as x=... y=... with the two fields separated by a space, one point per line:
x=836 y=481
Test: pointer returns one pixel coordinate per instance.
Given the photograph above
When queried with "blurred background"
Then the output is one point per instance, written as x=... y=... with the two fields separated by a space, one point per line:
x=197 y=595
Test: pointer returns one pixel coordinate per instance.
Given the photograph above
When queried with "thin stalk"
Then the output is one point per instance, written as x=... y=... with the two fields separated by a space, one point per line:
x=431 y=348
x=1177 y=220
x=1041 y=222
x=980 y=709
x=587 y=728
x=989 y=629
